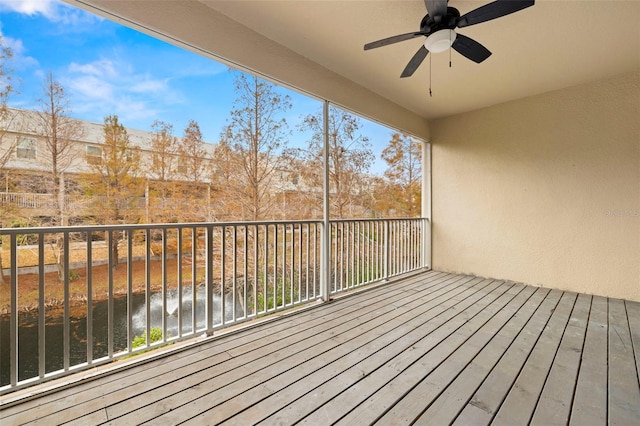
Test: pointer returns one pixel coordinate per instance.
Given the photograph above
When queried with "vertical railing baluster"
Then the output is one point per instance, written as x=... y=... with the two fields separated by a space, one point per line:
x=234 y=269
x=130 y=334
x=351 y=255
x=385 y=249
x=368 y=251
x=300 y=253
x=266 y=268
x=336 y=253
x=110 y=263
x=407 y=240
x=194 y=278
x=362 y=252
x=245 y=271
x=401 y=241
x=13 y=321
x=89 y=283
x=179 y=266
x=41 y=308
x=163 y=312
x=316 y=261
x=308 y=259
x=66 y=333
x=209 y=279
x=275 y=266
x=292 y=260
x=356 y=254
x=256 y=241
x=284 y=264
x=147 y=284
x=223 y=261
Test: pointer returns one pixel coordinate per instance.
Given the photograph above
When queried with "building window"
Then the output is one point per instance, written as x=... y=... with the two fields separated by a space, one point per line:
x=26 y=148
x=182 y=166
x=94 y=154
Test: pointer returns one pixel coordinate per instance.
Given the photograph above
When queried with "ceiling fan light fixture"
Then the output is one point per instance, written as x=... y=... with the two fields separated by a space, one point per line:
x=440 y=41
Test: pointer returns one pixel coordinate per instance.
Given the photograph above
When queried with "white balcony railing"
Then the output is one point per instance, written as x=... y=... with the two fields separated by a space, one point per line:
x=119 y=290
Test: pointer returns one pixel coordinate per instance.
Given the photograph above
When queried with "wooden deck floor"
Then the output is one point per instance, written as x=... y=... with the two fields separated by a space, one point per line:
x=432 y=349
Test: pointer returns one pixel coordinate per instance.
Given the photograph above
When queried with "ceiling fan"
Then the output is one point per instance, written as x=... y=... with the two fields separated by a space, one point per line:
x=438 y=27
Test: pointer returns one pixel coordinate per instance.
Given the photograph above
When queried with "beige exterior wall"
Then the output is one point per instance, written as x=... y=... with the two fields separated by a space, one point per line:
x=543 y=190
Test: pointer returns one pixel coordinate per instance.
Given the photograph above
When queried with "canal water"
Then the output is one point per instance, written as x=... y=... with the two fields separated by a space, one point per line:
x=28 y=330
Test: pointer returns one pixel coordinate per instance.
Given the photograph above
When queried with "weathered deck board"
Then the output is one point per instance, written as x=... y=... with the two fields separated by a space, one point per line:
x=554 y=407
x=487 y=399
x=633 y=312
x=257 y=404
x=456 y=395
x=521 y=401
x=590 y=397
x=431 y=349
x=624 y=390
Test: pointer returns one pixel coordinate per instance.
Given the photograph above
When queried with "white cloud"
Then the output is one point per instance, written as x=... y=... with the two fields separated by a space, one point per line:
x=19 y=60
x=99 y=68
x=150 y=86
x=110 y=86
x=53 y=10
x=92 y=87
x=31 y=7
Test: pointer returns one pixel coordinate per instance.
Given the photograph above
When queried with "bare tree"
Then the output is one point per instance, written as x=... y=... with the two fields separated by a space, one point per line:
x=225 y=178
x=193 y=156
x=193 y=164
x=256 y=137
x=162 y=170
x=164 y=148
x=350 y=157
x=58 y=131
x=404 y=173
x=6 y=148
x=7 y=89
x=115 y=180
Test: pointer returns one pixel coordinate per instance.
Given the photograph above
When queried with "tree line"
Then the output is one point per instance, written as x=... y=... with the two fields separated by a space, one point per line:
x=253 y=173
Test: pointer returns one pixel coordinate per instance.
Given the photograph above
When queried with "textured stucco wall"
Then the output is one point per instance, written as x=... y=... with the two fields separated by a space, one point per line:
x=543 y=190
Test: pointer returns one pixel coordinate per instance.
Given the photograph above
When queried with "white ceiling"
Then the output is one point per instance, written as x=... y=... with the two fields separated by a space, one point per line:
x=317 y=46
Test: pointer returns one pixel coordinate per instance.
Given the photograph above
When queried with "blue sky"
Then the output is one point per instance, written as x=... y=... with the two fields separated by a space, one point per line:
x=110 y=69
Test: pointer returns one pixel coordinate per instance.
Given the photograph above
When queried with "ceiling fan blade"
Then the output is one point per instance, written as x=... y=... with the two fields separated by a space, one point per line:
x=415 y=62
x=493 y=10
x=436 y=7
x=391 y=40
x=470 y=48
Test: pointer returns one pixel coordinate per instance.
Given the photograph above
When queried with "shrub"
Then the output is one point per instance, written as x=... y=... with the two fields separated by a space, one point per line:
x=141 y=340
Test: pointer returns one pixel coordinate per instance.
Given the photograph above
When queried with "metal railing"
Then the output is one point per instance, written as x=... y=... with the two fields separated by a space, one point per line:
x=28 y=200
x=134 y=287
x=369 y=250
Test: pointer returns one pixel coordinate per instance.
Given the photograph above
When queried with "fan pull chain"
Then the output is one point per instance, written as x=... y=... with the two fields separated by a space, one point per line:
x=450 y=43
x=430 y=94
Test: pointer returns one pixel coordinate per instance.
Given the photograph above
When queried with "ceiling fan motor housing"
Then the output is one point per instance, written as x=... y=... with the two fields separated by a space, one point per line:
x=430 y=25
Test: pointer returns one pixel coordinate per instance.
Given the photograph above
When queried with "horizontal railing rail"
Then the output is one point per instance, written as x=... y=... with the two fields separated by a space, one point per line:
x=29 y=200
x=122 y=289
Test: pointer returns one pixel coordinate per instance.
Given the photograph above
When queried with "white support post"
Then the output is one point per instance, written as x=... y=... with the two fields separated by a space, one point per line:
x=426 y=204
x=325 y=257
